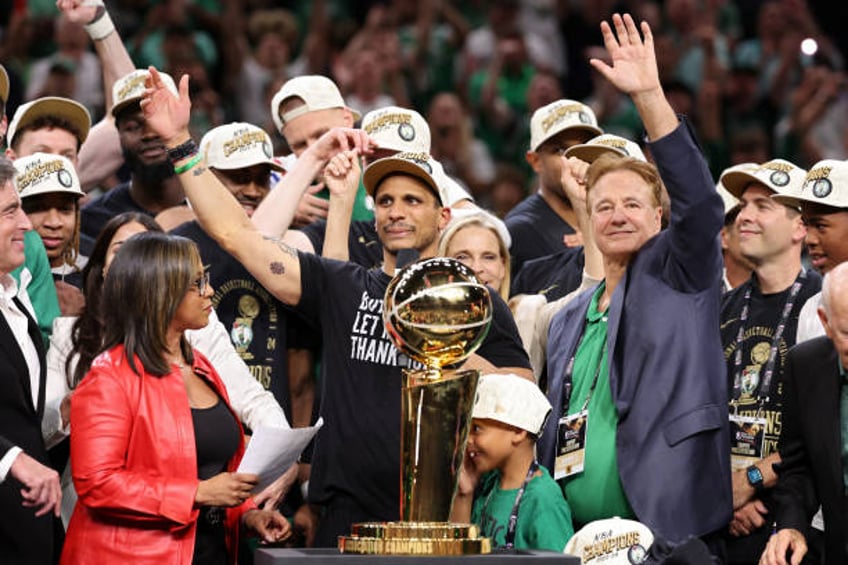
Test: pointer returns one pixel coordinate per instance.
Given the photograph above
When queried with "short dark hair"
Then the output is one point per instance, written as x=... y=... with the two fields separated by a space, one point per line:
x=47 y=122
x=149 y=278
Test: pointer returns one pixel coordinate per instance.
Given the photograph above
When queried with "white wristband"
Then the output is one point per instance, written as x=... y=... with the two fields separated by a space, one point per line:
x=100 y=28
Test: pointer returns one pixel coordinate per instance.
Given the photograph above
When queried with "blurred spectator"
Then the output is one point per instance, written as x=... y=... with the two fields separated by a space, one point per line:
x=454 y=145
x=258 y=57
x=178 y=23
x=49 y=75
x=498 y=92
x=509 y=188
x=696 y=41
x=366 y=91
x=431 y=33
x=503 y=21
x=207 y=111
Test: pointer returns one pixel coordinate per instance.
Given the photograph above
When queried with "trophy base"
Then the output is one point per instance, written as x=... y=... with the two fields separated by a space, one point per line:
x=414 y=538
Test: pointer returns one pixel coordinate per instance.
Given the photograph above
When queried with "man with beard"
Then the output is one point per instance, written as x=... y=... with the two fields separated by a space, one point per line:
x=152 y=187
x=540 y=222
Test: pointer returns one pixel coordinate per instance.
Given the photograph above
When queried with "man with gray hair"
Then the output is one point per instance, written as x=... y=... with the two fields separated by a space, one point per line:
x=30 y=494
x=813 y=443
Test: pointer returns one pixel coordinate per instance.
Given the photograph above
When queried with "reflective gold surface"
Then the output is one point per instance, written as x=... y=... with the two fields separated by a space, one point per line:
x=435 y=419
x=437 y=313
x=416 y=530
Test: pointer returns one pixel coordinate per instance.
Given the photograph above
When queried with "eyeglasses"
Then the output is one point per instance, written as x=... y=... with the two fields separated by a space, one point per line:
x=202 y=283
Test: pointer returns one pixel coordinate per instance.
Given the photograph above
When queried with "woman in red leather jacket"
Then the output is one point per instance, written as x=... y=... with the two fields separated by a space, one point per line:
x=155 y=443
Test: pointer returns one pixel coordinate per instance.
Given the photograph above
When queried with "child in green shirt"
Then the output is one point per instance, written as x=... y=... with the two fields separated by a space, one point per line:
x=502 y=487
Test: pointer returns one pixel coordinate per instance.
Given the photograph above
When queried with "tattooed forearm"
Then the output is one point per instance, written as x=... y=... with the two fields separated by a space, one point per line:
x=277 y=268
x=284 y=247
x=198 y=171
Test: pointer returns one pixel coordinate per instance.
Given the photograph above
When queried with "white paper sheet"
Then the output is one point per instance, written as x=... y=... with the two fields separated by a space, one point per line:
x=272 y=451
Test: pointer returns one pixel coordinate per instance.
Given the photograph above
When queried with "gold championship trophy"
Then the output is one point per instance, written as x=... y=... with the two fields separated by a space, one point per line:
x=438 y=314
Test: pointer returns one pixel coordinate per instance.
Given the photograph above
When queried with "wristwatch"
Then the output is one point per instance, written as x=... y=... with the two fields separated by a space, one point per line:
x=755 y=478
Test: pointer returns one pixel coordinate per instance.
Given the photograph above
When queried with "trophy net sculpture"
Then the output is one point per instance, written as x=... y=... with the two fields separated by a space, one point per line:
x=437 y=313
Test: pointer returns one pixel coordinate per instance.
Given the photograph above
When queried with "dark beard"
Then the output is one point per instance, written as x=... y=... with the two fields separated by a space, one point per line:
x=148 y=175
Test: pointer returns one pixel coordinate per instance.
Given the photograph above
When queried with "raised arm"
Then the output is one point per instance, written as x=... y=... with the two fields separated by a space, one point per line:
x=100 y=156
x=634 y=72
x=274 y=264
x=274 y=215
x=342 y=178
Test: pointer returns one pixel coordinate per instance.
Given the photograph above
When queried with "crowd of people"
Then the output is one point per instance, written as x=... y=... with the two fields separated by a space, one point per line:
x=202 y=205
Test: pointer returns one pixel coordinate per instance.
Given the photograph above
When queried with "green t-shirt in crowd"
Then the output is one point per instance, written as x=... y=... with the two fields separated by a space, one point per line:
x=596 y=493
x=41 y=289
x=544 y=518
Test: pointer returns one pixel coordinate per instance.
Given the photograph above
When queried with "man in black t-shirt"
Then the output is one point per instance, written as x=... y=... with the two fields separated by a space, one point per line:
x=356 y=462
x=355 y=467
x=240 y=154
x=539 y=223
x=758 y=326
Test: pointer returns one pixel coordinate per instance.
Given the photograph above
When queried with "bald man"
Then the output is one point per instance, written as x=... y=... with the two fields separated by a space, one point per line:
x=814 y=442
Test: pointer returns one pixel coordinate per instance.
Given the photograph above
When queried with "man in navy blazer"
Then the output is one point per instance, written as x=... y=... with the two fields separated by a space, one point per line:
x=642 y=351
x=813 y=444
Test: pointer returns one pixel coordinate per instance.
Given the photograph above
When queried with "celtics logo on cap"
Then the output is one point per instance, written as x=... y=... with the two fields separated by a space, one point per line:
x=637 y=554
x=779 y=178
x=420 y=159
x=406 y=132
x=822 y=188
x=266 y=149
x=64 y=178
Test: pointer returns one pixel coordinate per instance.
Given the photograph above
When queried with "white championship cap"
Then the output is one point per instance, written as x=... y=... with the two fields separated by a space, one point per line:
x=606 y=143
x=398 y=129
x=130 y=88
x=512 y=400
x=560 y=116
x=418 y=165
x=43 y=173
x=617 y=541
x=65 y=108
x=826 y=183
x=730 y=201
x=238 y=145
x=317 y=92
x=778 y=175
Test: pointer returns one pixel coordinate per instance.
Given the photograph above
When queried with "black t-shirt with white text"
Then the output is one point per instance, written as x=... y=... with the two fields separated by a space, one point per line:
x=357 y=453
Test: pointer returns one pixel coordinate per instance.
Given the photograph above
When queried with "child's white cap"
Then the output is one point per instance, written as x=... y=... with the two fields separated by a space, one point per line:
x=512 y=400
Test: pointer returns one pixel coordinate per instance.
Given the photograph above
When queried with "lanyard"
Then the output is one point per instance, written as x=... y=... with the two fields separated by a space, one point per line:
x=569 y=380
x=513 y=515
x=765 y=385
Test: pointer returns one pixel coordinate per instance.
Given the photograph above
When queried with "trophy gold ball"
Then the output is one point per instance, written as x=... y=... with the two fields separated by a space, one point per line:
x=437 y=313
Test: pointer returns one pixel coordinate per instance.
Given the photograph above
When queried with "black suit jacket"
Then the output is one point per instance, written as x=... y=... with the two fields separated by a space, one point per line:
x=811 y=447
x=23 y=537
